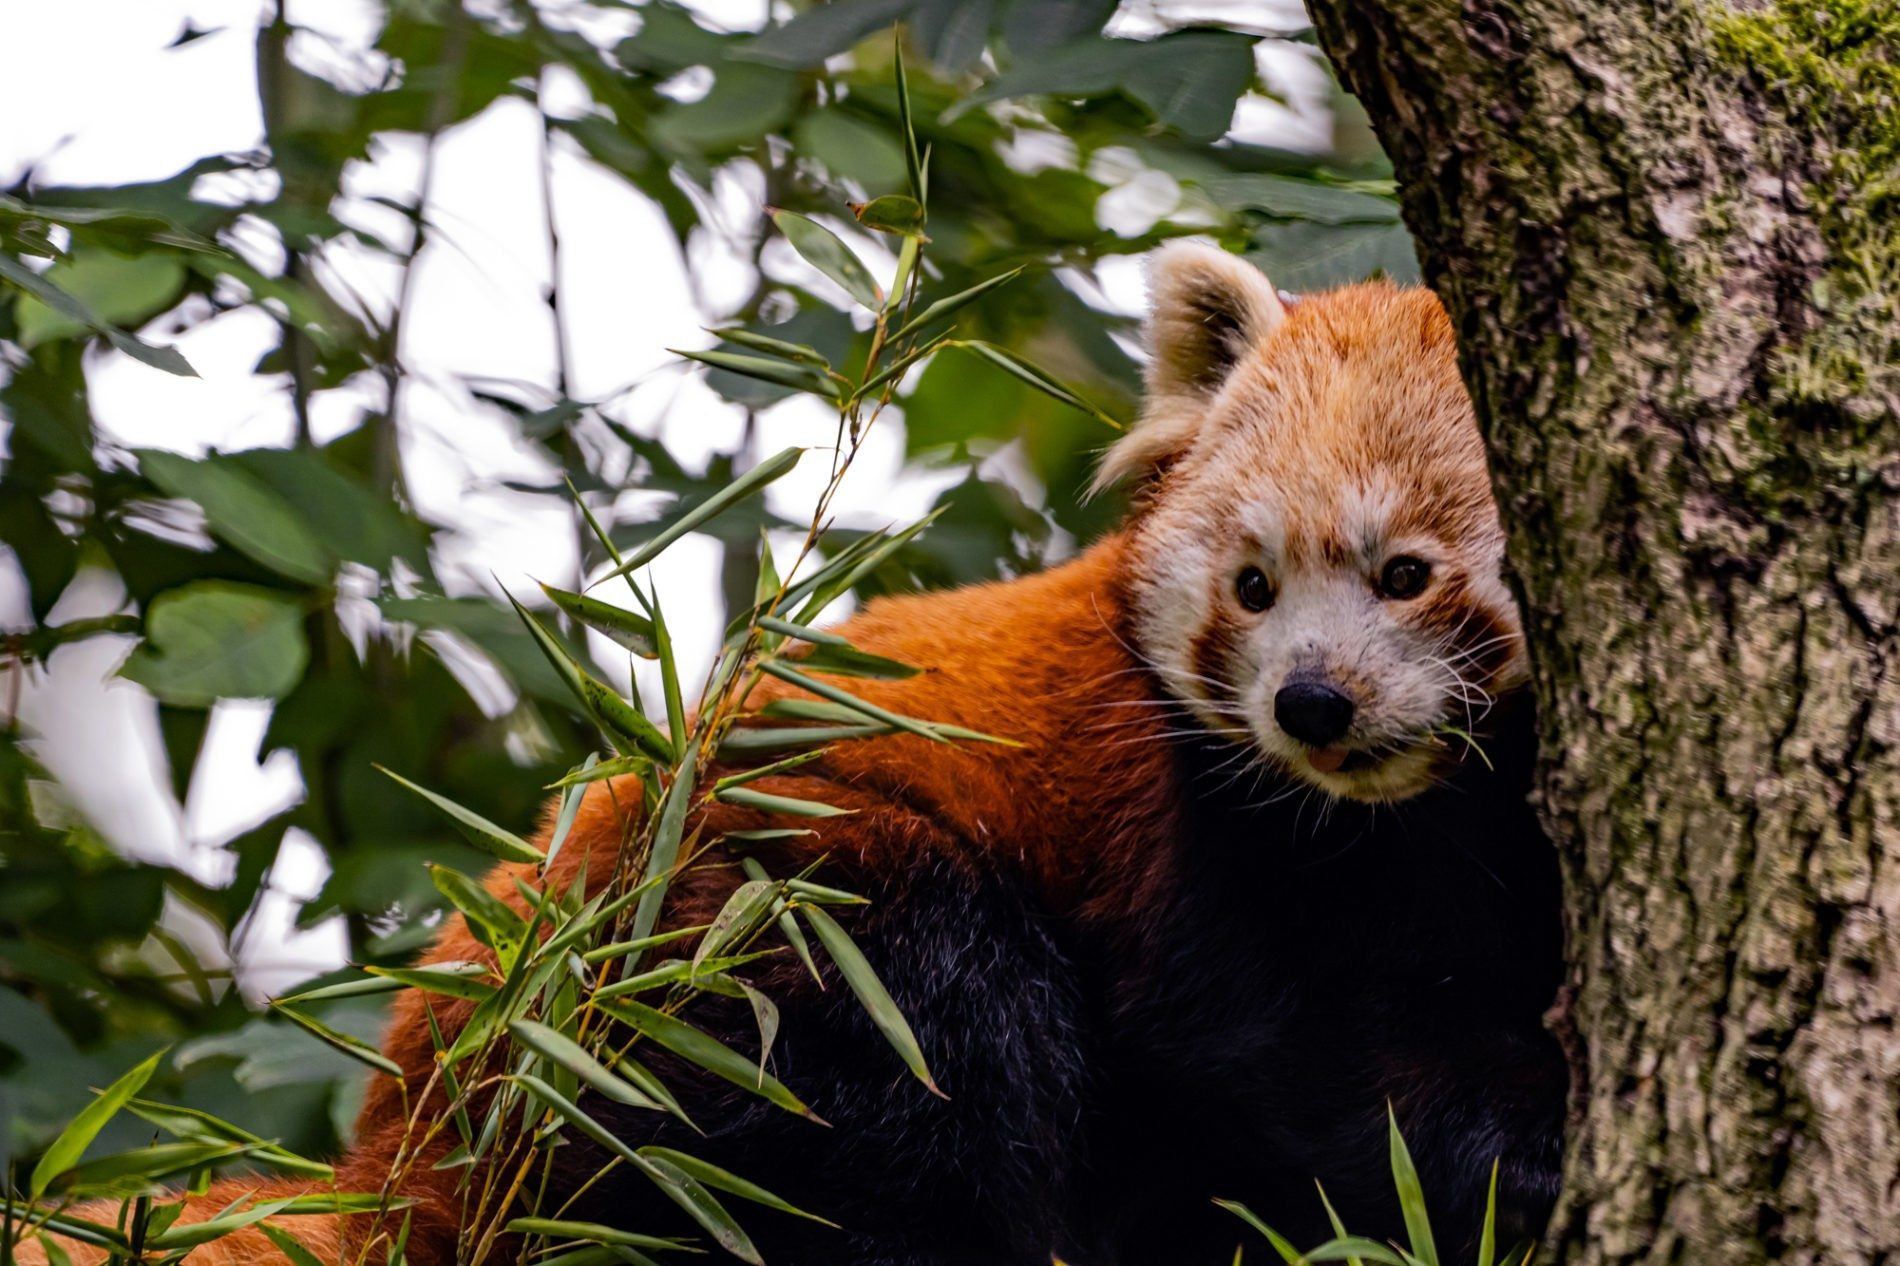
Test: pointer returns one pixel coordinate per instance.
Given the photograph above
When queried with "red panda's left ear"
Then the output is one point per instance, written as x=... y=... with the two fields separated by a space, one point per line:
x=1207 y=311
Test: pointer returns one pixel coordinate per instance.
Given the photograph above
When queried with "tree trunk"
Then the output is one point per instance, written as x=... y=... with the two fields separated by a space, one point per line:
x=1664 y=231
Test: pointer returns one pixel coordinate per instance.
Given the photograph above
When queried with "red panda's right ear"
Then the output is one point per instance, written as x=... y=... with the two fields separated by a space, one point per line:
x=1207 y=311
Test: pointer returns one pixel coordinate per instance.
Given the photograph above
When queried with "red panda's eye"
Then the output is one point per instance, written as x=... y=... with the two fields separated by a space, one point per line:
x=1404 y=577
x=1254 y=589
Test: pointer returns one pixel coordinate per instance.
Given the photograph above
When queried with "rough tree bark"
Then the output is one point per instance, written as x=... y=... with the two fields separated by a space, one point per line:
x=1665 y=231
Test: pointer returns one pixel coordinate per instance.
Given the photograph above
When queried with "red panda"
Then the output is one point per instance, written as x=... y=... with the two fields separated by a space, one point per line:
x=1261 y=865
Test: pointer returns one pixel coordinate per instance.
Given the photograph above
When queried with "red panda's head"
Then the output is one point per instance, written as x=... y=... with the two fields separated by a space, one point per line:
x=1315 y=561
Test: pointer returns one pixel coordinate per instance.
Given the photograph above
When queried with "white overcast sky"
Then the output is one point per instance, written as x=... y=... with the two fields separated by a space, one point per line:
x=89 y=94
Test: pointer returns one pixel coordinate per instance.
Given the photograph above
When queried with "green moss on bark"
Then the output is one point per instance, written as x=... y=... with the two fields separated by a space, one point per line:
x=1833 y=66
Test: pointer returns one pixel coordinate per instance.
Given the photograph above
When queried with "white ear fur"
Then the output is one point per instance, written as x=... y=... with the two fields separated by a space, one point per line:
x=1207 y=310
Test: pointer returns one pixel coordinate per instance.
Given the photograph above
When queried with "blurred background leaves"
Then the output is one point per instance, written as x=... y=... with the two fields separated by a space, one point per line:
x=1065 y=135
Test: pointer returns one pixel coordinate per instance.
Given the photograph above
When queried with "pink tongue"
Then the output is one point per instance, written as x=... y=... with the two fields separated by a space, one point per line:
x=1326 y=759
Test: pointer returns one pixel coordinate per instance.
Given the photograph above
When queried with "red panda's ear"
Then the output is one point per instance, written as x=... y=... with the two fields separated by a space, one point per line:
x=1207 y=311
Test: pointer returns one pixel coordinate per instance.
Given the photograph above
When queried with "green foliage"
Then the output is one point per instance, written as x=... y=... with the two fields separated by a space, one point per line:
x=1422 y=1250
x=245 y=573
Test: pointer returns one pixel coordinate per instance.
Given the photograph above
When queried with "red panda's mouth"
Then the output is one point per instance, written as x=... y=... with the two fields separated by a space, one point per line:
x=1338 y=760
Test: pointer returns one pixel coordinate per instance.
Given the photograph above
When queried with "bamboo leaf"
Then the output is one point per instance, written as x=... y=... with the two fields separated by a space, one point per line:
x=201 y=1127
x=669 y=675
x=896 y=369
x=765 y=802
x=1281 y=1245
x=477 y=830
x=865 y=557
x=619 y=718
x=849 y=661
x=574 y=792
x=913 y=165
x=775 y=346
x=71 y=1143
x=787 y=925
x=691 y=1195
x=1349 y=1248
x=1418 y=1225
x=818 y=637
x=1332 y=1216
x=1488 y=1233
x=563 y=1051
x=597 y=770
x=620 y=949
x=777 y=372
x=948 y=306
x=146 y=1165
x=893 y=213
x=767 y=771
x=458 y=982
x=871 y=994
x=908 y=252
x=682 y=1190
x=665 y=850
x=375 y=984
x=724 y=1180
x=765 y=1015
x=676 y=971
x=805 y=890
x=825 y=690
x=633 y=631
x=708 y=1052
x=80 y=1229
x=357 y=1050
x=1036 y=377
x=647 y=1084
x=489 y=918
x=765 y=588
x=738 y=490
x=740 y=743
x=290 y=1246
x=195 y=1233
x=826 y=251
x=594 y=1232
x=749 y=903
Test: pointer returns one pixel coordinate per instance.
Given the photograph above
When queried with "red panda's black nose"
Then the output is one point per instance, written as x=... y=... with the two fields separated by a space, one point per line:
x=1313 y=712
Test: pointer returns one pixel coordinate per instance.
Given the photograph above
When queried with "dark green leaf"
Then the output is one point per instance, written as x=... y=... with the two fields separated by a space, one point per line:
x=243 y=510
x=213 y=639
x=165 y=358
x=823 y=31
